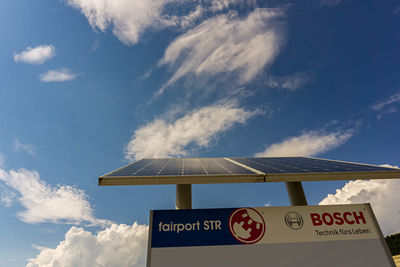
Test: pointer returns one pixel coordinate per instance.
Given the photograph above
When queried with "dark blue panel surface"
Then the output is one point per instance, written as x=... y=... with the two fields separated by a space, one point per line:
x=166 y=222
x=304 y=165
x=132 y=169
x=173 y=167
x=222 y=166
x=180 y=167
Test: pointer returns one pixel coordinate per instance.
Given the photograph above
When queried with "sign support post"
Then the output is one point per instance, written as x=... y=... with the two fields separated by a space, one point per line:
x=183 y=196
x=296 y=194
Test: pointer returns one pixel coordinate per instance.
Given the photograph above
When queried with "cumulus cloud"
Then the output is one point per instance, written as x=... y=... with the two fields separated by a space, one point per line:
x=58 y=75
x=28 y=148
x=227 y=44
x=36 y=55
x=43 y=203
x=290 y=82
x=128 y=19
x=118 y=245
x=308 y=144
x=161 y=138
x=382 y=194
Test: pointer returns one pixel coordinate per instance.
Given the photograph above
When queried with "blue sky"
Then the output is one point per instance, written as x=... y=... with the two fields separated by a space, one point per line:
x=89 y=86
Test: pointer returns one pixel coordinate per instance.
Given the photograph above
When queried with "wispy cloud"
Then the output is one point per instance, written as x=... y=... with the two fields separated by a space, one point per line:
x=7 y=196
x=197 y=128
x=128 y=19
x=290 y=82
x=307 y=144
x=387 y=105
x=20 y=147
x=396 y=10
x=35 y=55
x=116 y=246
x=382 y=194
x=2 y=160
x=43 y=203
x=388 y=101
x=219 y=5
x=330 y=3
x=227 y=44
x=58 y=75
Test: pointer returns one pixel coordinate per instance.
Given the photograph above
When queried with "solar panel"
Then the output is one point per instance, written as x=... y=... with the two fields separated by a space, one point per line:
x=181 y=171
x=302 y=164
x=287 y=169
x=235 y=170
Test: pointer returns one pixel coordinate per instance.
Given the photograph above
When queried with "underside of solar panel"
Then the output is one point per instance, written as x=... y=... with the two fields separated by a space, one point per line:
x=241 y=170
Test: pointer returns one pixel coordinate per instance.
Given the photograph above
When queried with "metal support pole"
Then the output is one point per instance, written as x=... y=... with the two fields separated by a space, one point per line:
x=296 y=194
x=183 y=196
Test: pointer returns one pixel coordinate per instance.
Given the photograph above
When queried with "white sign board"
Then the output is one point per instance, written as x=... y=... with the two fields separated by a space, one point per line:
x=329 y=236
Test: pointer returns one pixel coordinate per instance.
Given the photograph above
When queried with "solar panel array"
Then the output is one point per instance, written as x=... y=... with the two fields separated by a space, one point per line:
x=250 y=169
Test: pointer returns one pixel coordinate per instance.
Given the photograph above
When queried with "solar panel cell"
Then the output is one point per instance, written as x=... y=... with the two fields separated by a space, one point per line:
x=132 y=168
x=173 y=167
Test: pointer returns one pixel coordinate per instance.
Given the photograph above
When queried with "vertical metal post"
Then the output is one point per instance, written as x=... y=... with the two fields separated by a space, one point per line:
x=296 y=194
x=183 y=196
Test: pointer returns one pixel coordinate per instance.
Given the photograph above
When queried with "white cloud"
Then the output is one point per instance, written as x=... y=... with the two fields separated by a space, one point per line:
x=7 y=196
x=58 y=75
x=290 y=82
x=218 y=5
x=43 y=203
x=389 y=166
x=227 y=44
x=36 y=55
x=161 y=138
x=268 y=204
x=395 y=98
x=119 y=246
x=308 y=144
x=28 y=148
x=382 y=194
x=387 y=106
x=128 y=19
x=185 y=21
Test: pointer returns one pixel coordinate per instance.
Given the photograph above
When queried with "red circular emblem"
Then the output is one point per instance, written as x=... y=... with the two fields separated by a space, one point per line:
x=247 y=225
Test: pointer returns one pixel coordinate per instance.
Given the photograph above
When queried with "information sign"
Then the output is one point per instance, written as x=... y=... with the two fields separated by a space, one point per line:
x=329 y=236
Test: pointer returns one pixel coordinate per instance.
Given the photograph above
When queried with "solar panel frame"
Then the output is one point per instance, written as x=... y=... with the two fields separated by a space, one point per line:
x=245 y=173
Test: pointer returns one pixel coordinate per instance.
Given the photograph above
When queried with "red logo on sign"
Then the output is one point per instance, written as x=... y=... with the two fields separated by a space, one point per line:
x=247 y=225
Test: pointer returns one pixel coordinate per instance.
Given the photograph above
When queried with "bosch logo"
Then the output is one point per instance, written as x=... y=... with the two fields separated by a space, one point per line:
x=338 y=218
x=247 y=225
x=294 y=220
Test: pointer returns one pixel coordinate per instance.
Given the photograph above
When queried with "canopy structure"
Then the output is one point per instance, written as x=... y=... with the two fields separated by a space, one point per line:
x=292 y=170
